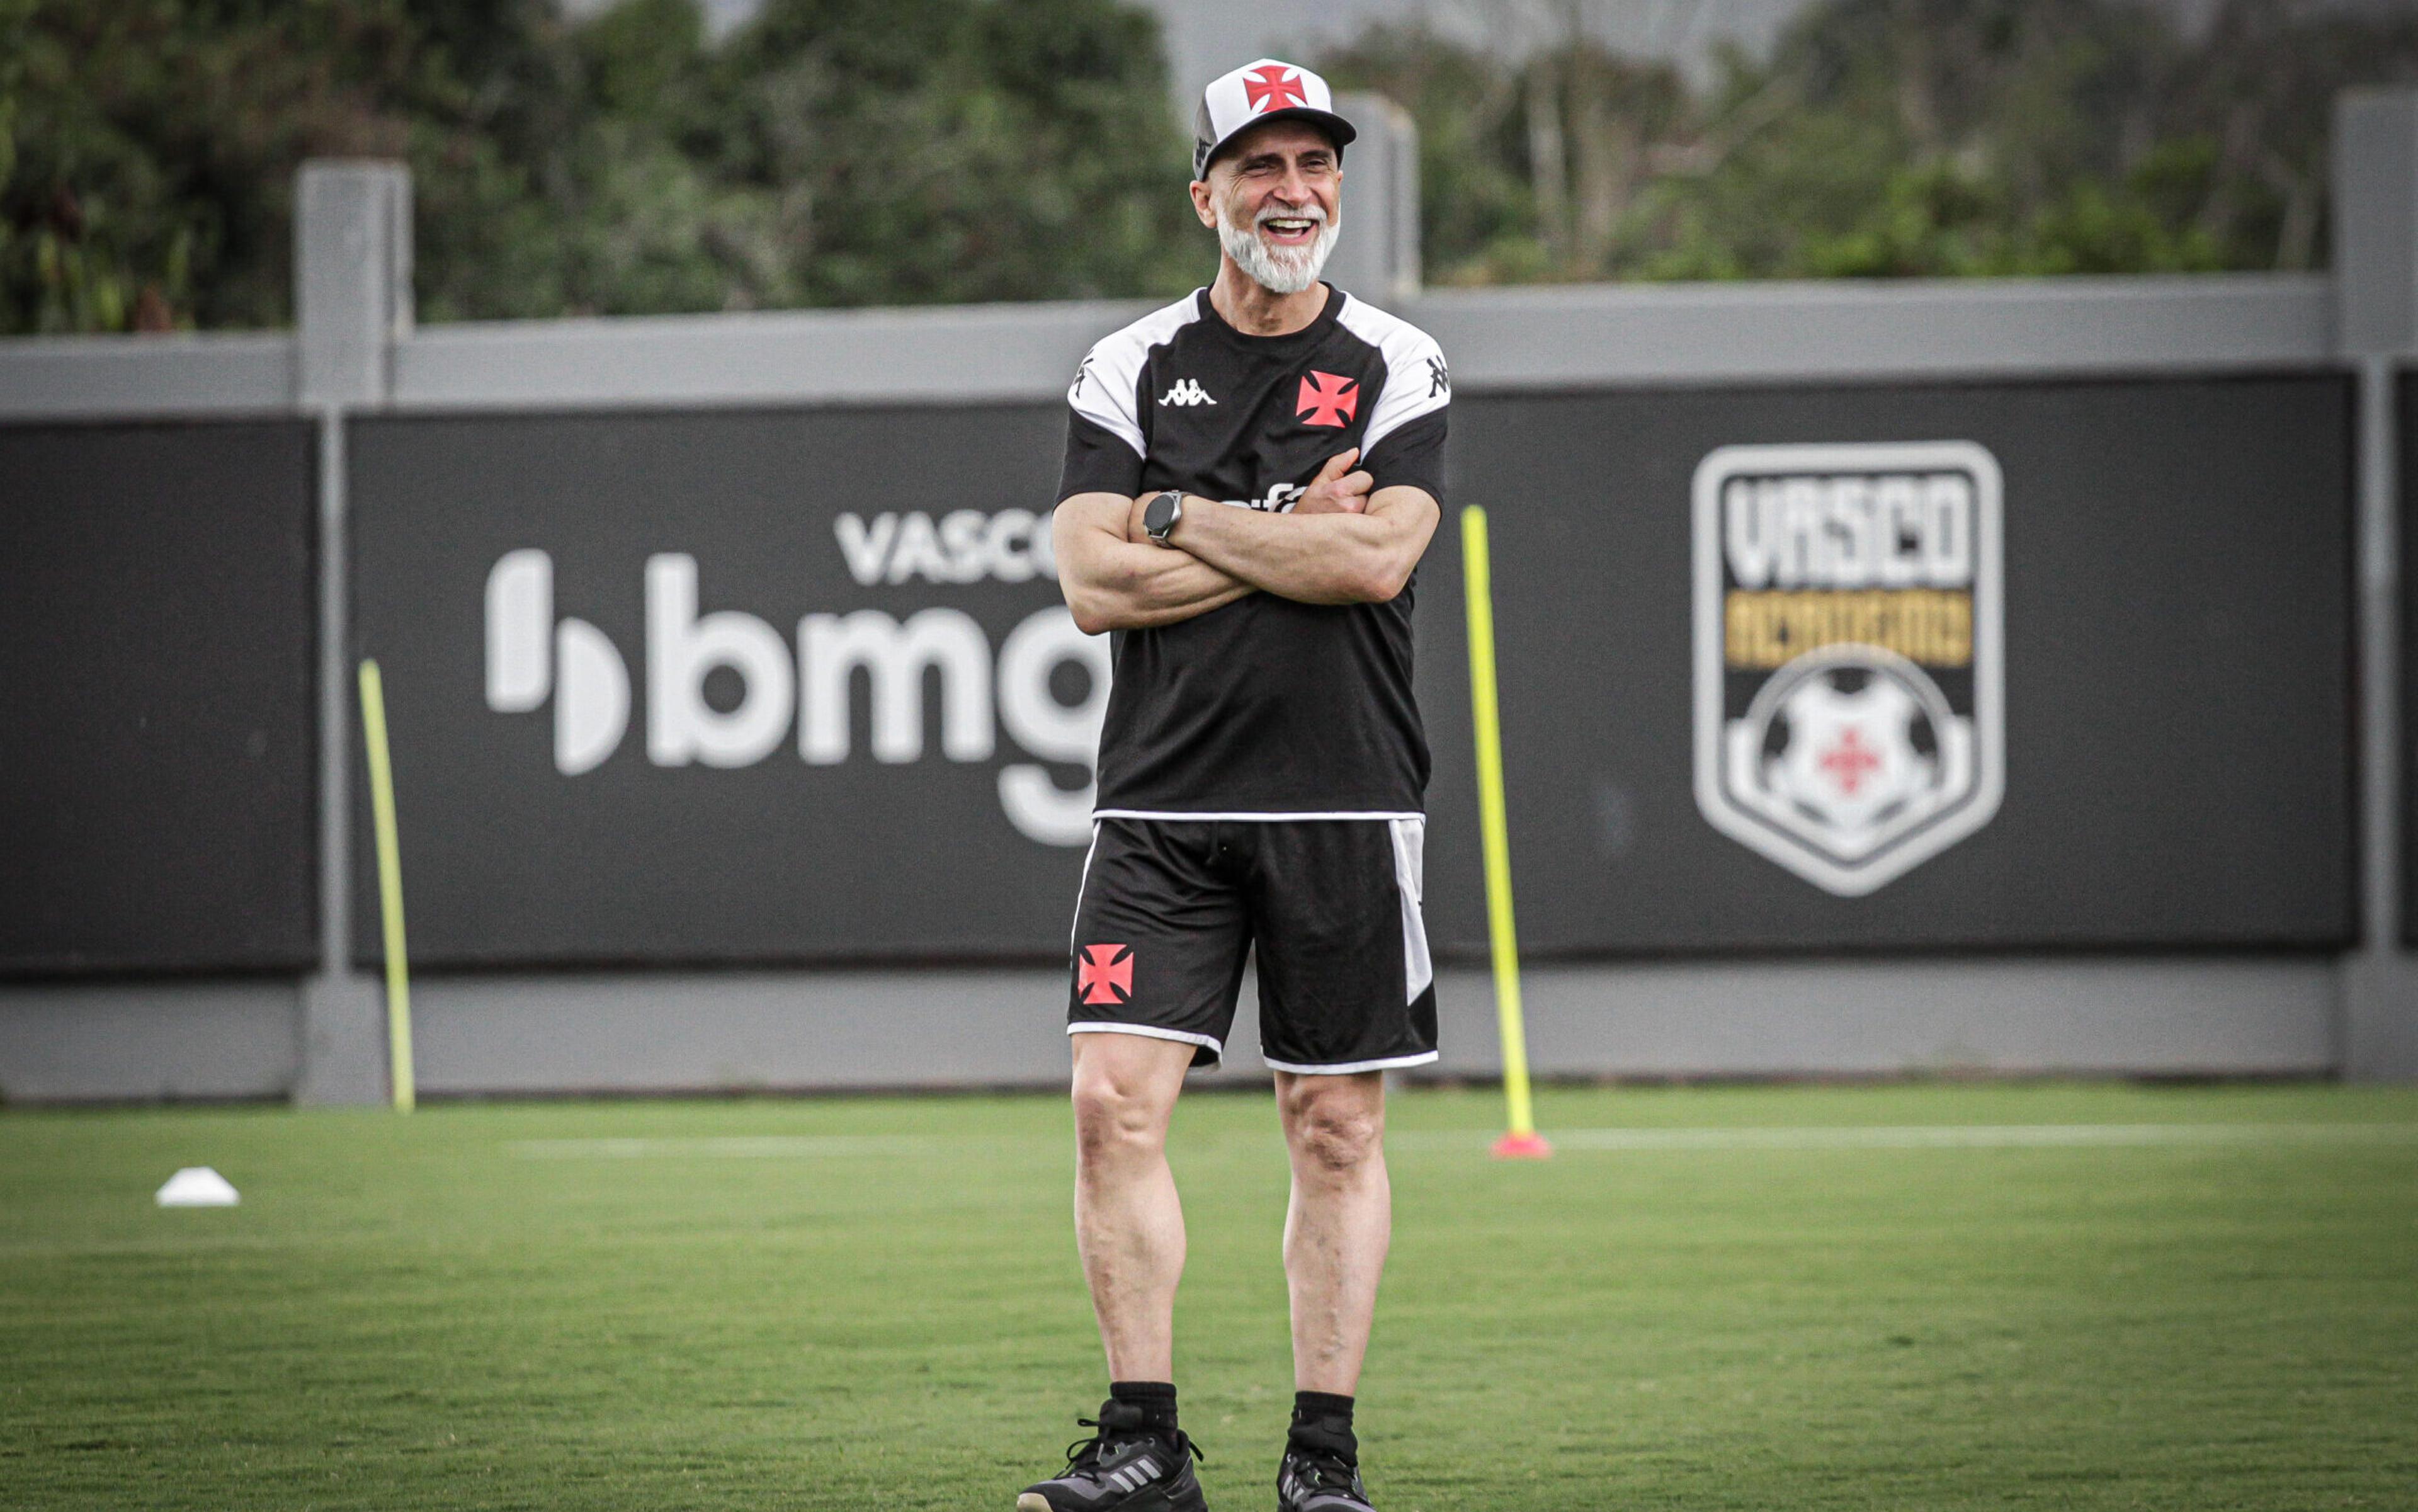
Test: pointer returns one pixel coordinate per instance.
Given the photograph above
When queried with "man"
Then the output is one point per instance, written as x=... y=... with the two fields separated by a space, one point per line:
x=1252 y=477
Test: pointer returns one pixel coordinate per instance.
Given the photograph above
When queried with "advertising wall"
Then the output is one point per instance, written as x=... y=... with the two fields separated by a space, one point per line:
x=724 y=687
x=158 y=800
x=2117 y=713
x=1993 y=665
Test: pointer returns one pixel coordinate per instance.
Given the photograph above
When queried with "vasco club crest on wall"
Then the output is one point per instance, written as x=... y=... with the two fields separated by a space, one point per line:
x=1850 y=653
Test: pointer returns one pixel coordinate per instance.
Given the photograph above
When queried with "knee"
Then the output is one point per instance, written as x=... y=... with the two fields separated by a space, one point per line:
x=1333 y=1138
x=1114 y=1121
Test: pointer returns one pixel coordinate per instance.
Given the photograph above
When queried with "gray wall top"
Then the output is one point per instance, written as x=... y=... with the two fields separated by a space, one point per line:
x=1551 y=337
x=1560 y=336
x=1578 y=336
x=67 y=376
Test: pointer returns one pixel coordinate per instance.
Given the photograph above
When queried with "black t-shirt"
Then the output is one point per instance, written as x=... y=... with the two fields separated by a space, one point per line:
x=1263 y=707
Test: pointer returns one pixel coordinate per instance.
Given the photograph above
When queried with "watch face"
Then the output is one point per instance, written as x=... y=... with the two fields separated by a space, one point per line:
x=1158 y=517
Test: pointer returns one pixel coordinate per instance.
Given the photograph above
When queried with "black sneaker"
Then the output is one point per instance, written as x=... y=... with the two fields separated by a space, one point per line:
x=1312 y=1481
x=1123 y=1467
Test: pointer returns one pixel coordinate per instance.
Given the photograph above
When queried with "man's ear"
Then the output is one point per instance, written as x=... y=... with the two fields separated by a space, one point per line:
x=1203 y=205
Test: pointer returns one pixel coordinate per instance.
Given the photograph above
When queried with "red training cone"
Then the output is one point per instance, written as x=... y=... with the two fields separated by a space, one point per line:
x=1522 y=1147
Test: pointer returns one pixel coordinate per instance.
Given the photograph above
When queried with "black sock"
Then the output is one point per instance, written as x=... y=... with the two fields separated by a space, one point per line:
x=1323 y=1421
x=1148 y=1406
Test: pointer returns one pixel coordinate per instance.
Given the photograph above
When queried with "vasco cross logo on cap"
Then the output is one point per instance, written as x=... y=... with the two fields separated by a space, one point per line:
x=1850 y=658
x=1273 y=87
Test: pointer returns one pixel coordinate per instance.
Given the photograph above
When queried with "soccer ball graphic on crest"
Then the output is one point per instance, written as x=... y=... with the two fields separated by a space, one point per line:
x=1850 y=748
x=1854 y=743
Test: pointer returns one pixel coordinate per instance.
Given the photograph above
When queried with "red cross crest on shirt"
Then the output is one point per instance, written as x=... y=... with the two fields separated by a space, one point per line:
x=1327 y=399
x=1850 y=761
x=1104 y=974
x=1273 y=87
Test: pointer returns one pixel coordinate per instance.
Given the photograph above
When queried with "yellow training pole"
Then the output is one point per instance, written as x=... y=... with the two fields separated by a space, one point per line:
x=390 y=857
x=1522 y=1140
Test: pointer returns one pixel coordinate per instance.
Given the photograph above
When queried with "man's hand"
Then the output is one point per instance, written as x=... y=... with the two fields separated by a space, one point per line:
x=1335 y=491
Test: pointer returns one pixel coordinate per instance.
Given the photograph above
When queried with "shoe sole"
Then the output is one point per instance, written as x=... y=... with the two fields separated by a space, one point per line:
x=1035 y=1502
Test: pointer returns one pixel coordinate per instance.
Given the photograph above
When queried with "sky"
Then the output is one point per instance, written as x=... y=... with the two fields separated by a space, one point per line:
x=1205 y=37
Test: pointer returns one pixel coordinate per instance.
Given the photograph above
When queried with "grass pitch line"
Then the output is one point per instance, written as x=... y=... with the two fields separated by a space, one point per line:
x=1813 y=1136
x=1955 y=1136
x=733 y=1147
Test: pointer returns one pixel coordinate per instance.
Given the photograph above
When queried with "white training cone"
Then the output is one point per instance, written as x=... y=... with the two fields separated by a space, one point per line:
x=198 y=1186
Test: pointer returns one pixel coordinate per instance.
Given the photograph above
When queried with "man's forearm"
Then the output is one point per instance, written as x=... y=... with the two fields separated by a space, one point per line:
x=1141 y=587
x=1311 y=558
x=1113 y=583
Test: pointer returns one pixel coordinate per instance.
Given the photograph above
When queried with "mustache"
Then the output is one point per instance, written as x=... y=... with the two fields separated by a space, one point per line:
x=1312 y=212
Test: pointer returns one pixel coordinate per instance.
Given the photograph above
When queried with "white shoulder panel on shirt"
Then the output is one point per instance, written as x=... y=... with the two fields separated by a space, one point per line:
x=1105 y=387
x=1417 y=382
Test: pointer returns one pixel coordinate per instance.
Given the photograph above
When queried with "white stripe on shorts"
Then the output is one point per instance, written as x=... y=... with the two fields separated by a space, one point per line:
x=1347 y=1068
x=1249 y=818
x=1410 y=877
x=1148 y=1031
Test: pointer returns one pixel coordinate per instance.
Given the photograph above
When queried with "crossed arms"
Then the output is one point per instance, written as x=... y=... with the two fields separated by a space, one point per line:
x=1341 y=544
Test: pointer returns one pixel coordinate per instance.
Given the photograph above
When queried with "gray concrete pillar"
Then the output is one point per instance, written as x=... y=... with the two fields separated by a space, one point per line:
x=352 y=278
x=352 y=301
x=2376 y=283
x=1377 y=251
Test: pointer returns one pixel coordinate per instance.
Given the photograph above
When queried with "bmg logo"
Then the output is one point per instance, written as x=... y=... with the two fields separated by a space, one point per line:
x=532 y=656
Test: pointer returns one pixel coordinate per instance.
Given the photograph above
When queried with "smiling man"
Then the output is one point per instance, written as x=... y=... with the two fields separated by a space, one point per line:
x=1252 y=477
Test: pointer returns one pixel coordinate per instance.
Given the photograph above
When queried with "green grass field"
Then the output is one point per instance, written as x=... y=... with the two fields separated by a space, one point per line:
x=874 y=1303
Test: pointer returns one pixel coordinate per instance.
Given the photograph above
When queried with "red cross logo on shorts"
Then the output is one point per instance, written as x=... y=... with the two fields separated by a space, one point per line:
x=1850 y=761
x=1327 y=399
x=1105 y=974
x=1273 y=87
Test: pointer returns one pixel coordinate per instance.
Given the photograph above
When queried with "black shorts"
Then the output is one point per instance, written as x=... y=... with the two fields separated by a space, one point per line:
x=1169 y=908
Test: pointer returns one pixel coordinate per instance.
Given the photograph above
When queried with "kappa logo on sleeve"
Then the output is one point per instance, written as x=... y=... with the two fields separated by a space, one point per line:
x=1850 y=658
x=1327 y=399
x=1105 y=974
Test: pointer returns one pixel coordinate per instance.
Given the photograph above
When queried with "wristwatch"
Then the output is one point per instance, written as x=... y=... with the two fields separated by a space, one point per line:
x=1159 y=515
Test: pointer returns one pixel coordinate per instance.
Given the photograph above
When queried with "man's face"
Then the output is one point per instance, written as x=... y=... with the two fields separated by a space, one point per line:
x=1273 y=197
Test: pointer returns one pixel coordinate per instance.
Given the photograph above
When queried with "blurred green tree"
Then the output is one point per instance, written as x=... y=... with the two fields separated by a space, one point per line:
x=833 y=152
x=844 y=152
x=1890 y=138
x=942 y=149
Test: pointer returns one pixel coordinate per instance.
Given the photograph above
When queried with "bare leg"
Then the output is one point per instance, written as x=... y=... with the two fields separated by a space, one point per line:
x=1128 y=1223
x=1338 y=1223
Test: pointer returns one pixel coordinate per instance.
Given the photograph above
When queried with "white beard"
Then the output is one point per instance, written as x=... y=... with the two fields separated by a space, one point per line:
x=1285 y=271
